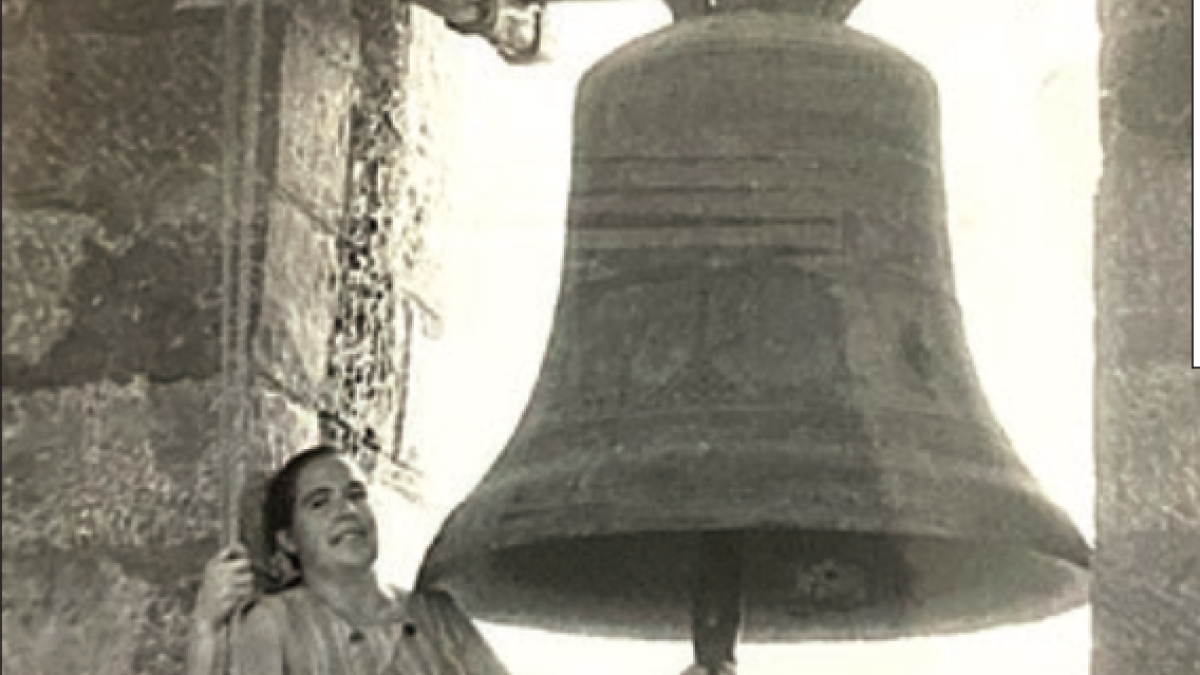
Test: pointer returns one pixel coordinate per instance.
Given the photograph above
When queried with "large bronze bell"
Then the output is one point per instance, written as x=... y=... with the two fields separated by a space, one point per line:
x=757 y=394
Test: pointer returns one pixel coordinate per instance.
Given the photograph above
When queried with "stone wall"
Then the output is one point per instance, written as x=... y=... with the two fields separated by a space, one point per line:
x=1146 y=595
x=111 y=297
x=117 y=284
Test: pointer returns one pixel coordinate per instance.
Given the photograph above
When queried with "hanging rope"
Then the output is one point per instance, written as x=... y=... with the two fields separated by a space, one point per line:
x=228 y=397
x=251 y=111
x=239 y=187
x=229 y=231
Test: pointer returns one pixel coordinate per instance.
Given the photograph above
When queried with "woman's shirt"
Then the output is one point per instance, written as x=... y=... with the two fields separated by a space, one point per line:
x=296 y=633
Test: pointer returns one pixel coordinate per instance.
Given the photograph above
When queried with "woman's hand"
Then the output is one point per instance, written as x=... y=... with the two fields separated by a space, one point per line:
x=228 y=582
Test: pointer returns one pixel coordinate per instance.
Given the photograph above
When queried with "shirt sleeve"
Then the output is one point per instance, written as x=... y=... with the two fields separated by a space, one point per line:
x=256 y=644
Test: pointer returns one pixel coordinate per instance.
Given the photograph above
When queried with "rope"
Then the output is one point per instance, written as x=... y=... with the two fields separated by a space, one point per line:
x=239 y=170
x=251 y=111
x=238 y=205
x=229 y=230
x=228 y=237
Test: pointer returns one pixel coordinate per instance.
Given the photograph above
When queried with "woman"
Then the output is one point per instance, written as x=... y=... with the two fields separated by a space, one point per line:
x=335 y=618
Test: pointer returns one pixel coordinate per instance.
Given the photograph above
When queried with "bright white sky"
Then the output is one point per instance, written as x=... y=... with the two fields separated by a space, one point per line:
x=1018 y=86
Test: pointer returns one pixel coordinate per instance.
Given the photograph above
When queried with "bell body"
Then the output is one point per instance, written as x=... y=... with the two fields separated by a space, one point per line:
x=757 y=335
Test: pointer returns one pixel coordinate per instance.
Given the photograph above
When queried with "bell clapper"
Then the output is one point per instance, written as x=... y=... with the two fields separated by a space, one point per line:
x=717 y=603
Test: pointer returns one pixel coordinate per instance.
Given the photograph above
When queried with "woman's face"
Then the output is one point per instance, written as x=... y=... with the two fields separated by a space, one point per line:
x=332 y=523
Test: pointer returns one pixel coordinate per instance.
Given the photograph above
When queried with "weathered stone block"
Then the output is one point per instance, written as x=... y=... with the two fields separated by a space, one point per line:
x=66 y=613
x=1148 y=432
x=1145 y=615
x=128 y=470
x=1146 y=339
x=25 y=89
x=315 y=78
x=1146 y=69
x=1144 y=241
x=107 y=312
x=299 y=301
x=113 y=114
x=41 y=249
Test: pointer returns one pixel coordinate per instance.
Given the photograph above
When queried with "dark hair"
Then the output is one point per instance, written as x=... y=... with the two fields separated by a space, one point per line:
x=280 y=503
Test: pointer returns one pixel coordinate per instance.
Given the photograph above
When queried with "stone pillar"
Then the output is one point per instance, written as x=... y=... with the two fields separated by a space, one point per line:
x=115 y=364
x=1146 y=591
x=404 y=97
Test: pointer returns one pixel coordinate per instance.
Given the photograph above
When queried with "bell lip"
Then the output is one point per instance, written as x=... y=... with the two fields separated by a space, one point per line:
x=1081 y=554
x=1029 y=530
x=438 y=559
x=943 y=501
x=1071 y=592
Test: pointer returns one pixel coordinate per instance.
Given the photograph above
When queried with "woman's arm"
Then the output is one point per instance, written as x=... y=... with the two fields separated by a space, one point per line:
x=228 y=583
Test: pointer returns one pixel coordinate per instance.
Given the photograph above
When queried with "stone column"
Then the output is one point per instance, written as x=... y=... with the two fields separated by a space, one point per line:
x=115 y=364
x=1146 y=591
x=403 y=98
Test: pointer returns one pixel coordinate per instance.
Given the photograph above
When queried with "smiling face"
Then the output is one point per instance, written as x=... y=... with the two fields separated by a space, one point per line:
x=333 y=527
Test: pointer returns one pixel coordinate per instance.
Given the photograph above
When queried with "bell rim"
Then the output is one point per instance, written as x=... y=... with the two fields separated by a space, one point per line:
x=520 y=509
x=481 y=534
x=1070 y=591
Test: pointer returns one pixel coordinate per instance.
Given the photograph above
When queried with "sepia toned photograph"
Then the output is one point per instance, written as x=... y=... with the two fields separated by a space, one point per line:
x=599 y=337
